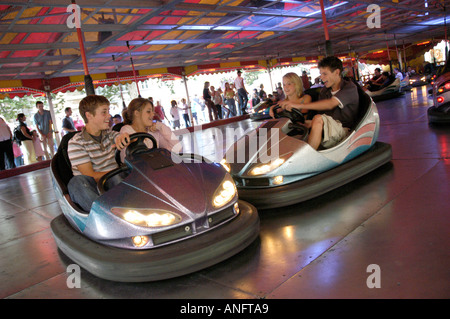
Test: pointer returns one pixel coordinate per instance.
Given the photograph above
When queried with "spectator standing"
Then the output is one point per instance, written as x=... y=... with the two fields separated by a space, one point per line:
x=26 y=140
x=305 y=81
x=195 y=108
x=67 y=123
x=44 y=125
x=185 y=110
x=229 y=98
x=208 y=102
x=79 y=124
x=217 y=100
x=159 y=112
x=6 y=147
x=242 y=92
x=175 y=115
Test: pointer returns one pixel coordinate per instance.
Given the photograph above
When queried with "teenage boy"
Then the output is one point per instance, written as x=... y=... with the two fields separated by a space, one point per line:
x=337 y=106
x=242 y=92
x=91 y=151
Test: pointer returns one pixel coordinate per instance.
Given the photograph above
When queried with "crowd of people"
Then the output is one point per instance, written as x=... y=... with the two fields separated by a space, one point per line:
x=24 y=145
x=32 y=141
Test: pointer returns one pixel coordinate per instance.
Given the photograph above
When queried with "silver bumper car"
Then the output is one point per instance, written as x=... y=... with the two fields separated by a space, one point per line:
x=274 y=166
x=161 y=215
x=391 y=91
x=439 y=113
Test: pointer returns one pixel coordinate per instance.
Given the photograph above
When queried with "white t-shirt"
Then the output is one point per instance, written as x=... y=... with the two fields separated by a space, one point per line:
x=5 y=132
x=239 y=83
x=174 y=113
x=184 y=108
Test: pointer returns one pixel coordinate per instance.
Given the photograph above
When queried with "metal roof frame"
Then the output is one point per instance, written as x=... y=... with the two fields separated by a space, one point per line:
x=36 y=42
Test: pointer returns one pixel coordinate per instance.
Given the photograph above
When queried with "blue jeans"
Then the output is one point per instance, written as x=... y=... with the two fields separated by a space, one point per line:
x=83 y=191
x=243 y=99
x=232 y=106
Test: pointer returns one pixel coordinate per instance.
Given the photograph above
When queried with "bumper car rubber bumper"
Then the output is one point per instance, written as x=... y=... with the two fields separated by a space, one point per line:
x=165 y=262
x=387 y=96
x=437 y=116
x=260 y=116
x=264 y=198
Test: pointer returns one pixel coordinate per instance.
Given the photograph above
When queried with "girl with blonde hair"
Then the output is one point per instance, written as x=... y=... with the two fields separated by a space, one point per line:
x=293 y=90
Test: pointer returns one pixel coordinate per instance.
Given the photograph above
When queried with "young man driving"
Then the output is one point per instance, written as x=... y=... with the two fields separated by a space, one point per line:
x=337 y=106
x=91 y=151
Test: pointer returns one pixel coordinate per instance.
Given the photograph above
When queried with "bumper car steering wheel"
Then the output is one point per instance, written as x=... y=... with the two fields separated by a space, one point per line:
x=297 y=119
x=136 y=146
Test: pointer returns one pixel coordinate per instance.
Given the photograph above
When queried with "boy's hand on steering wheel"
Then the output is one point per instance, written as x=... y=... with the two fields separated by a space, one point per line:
x=285 y=105
x=122 y=141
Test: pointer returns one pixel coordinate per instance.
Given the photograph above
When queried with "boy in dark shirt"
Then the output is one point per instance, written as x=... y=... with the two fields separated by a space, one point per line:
x=337 y=106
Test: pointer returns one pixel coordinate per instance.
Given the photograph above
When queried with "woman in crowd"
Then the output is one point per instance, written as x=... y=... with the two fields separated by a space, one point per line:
x=230 y=98
x=209 y=103
x=27 y=144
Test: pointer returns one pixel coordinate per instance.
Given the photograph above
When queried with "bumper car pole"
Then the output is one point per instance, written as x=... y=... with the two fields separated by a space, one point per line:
x=328 y=47
x=89 y=85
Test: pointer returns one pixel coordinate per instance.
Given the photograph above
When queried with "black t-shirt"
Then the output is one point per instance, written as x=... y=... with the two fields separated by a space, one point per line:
x=347 y=110
x=21 y=136
x=206 y=94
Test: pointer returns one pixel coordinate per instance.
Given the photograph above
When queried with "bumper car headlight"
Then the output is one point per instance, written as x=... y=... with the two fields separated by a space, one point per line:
x=262 y=169
x=147 y=217
x=225 y=193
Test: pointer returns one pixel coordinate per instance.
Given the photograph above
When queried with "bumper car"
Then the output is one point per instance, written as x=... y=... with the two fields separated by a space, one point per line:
x=391 y=91
x=261 y=110
x=439 y=113
x=417 y=80
x=159 y=215
x=294 y=171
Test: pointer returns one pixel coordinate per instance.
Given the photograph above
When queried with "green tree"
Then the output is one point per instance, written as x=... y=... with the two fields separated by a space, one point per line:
x=111 y=92
x=11 y=107
x=163 y=83
x=252 y=77
x=58 y=102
